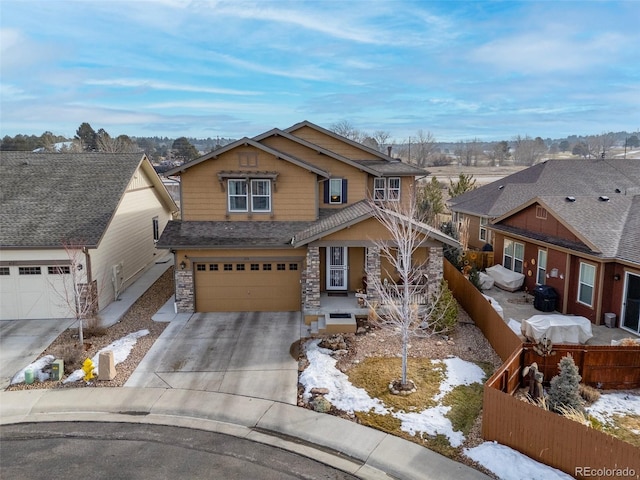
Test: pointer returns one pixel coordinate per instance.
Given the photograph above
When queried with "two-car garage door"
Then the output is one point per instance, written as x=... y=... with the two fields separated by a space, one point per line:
x=252 y=286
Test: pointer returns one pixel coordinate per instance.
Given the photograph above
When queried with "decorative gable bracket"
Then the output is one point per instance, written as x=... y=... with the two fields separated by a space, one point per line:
x=225 y=175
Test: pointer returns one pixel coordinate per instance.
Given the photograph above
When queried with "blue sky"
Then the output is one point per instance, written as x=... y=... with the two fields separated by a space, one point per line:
x=461 y=70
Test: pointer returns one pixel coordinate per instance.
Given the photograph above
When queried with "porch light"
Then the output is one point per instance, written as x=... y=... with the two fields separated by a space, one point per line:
x=183 y=265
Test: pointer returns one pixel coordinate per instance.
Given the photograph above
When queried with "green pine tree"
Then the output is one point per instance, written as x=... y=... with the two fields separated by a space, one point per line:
x=564 y=391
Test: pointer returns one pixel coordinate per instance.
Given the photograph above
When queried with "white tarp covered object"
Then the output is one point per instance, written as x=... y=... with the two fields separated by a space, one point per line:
x=557 y=328
x=496 y=306
x=505 y=278
x=486 y=281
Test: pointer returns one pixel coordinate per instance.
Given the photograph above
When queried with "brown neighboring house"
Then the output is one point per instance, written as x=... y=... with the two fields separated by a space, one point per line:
x=279 y=221
x=571 y=224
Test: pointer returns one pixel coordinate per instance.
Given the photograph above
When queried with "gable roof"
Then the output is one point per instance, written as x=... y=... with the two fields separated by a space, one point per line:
x=570 y=177
x=597 y=200
x=378 y=165
x=248 y=142
x=317 y=148
x=51 y=198
x=351 y=215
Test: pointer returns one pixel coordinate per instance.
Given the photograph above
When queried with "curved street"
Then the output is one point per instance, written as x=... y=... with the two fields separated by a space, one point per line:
x=92 y=451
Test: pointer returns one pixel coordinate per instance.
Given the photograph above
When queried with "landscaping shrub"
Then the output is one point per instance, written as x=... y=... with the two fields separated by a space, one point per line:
x=445 y=312
x=565 y=387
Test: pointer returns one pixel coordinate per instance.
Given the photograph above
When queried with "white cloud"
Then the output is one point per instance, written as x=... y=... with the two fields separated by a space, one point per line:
x=156 y=85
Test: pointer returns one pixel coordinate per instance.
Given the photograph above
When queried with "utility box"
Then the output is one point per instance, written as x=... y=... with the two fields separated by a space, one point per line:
x=610 y=320
x=57 y=369
x=106 y=366
x=544 y=298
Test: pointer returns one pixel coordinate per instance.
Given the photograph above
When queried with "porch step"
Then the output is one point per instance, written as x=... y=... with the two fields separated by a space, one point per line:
x=340 y=323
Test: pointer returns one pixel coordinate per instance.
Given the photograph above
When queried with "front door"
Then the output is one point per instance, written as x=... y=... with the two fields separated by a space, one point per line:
x=631 y=306
x=337 y=268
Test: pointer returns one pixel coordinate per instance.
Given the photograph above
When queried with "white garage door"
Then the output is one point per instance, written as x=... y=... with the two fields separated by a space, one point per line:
x=33 y=292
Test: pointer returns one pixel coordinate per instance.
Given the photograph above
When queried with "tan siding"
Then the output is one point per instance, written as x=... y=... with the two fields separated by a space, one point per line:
x=333 y=144
x=205 y=199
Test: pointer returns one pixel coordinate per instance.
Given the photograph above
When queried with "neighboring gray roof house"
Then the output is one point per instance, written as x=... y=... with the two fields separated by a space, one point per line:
x=49 y=199
x=98 y=214
x=596 y=198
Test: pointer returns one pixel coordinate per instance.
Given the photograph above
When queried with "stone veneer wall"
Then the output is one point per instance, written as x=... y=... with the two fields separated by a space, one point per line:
x=435 y=271
x=184 y=291
x=311 y=279
x=372 y=268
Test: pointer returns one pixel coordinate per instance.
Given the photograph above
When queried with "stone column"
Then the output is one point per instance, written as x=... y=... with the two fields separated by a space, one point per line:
x=372 y=268
x=435 y=270
x=185 y=295
x=311 y=287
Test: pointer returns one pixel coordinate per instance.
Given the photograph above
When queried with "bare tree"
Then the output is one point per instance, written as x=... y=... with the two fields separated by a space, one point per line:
x=120 y=144
x=599 y=145
x=76 y=293
x=467 y=152
x=423 y=148
x=382 y=138
x=347 y=130
x=528 y=151
x=407 y=306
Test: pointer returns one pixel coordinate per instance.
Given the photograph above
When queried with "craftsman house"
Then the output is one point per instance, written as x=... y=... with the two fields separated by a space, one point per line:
x=571 y=224
x=98 y=213
x=282 y=221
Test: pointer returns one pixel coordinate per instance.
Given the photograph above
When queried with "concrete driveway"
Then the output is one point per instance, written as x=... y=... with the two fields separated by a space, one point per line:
x=241 y=353
x=22 y=341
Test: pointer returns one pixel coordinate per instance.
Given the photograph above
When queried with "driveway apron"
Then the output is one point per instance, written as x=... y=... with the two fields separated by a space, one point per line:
x=241 y=353
x=22 y=341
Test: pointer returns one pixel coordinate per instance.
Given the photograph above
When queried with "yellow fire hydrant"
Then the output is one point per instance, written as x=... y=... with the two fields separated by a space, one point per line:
x=87 y=368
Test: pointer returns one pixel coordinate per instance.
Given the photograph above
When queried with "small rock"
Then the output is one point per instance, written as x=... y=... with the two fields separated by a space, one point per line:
x=450 y=342
x=439 y=343
x=319 y=391
x=320 y=404
x=361 y=331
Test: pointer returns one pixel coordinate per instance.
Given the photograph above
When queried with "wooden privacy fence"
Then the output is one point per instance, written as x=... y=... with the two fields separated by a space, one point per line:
x=503 y=340
x=600 y=366
x=554 y=440
x=545 y=436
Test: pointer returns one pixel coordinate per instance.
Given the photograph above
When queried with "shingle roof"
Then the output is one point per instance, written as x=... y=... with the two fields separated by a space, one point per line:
x=225 y=234
x=49 y=199
x=335 y=221
x=395 y=167
x=611 y=227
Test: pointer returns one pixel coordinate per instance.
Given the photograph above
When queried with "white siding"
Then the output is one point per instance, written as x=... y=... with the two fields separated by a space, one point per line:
x=129 y=238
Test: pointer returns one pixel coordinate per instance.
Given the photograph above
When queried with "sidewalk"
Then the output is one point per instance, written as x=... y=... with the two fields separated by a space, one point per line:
x=361 y=451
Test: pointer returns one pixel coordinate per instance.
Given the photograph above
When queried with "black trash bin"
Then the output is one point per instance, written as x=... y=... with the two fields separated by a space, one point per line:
x=544 y=298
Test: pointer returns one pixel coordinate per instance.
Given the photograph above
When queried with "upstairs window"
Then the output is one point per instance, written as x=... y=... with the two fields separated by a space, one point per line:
x=249 y=195
x=541 y=277
x=237 y=195
x=260 y=195
x=335 y=191
x=156 y=229
x=386 y=189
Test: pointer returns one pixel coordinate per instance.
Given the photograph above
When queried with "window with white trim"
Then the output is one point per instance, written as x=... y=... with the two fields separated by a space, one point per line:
x=249 y=195
x=393 y=190
x=513 y=257
x=156 y=229
x=541 y=277
x=386 y=189
x=261 y=195
x=379 y=188
x=237 y=195
x=483 y=228
x=335 y=190
x=586 y=283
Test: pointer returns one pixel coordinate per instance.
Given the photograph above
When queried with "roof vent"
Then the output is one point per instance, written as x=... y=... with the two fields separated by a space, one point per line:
x=500 y=187
x=603 y=198
x=570 y=199
x=618 y=190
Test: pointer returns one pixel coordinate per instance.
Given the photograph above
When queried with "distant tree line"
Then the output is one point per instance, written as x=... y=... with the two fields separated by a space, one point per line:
x=161 y=150
x=423 y=150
